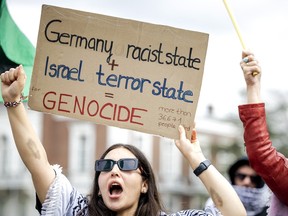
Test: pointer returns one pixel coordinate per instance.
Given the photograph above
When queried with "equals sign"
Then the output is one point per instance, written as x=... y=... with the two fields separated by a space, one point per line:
x=109 y=95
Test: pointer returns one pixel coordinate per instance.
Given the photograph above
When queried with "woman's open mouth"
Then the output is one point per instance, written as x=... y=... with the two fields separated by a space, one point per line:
x=115 y=190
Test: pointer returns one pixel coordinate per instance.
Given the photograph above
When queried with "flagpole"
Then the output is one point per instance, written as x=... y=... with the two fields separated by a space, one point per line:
x=234 y=24
x=237 y=29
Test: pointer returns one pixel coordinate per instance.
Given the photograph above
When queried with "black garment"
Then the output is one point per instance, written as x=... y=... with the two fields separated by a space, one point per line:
x=263 y=213
x=38 y=205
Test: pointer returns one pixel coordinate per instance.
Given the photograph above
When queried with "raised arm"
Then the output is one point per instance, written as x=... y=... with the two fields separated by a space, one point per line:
x=28 y=144
x=250 y=65
x=270 y=164
x=220 y=190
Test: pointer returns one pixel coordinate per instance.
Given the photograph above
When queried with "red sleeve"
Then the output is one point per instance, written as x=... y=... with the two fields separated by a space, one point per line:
x=271 y=165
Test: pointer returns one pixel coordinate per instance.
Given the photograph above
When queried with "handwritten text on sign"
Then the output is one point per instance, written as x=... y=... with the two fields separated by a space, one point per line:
x=117 y=72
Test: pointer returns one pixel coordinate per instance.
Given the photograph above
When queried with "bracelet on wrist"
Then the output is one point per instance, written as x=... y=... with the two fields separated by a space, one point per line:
x=14 y=103
x=202 y=167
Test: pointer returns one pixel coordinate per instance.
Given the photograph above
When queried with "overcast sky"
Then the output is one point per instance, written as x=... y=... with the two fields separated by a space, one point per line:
x=263 y=25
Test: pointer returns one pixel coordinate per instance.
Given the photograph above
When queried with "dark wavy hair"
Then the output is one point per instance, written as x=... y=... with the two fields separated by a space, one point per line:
x=149 y=203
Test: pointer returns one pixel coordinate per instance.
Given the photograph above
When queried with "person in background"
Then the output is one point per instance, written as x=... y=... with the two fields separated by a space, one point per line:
x=270 y=164
x=249 y=186
x=124 y=183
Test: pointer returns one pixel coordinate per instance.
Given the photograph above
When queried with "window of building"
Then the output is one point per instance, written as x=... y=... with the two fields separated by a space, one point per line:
x=170 y=162
x=3 y=155
x=81 y=147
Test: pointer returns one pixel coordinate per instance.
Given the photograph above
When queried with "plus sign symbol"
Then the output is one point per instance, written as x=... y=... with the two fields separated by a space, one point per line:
x=113 y=64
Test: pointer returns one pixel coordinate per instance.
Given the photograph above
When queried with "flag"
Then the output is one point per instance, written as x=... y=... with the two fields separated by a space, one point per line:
x=15 y=47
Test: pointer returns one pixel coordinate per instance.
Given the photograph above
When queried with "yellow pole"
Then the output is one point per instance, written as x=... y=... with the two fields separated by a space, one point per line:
x=237 y=29
x=234 y=24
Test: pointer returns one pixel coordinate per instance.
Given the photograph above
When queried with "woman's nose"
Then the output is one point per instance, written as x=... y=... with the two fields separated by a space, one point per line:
x=115 y=170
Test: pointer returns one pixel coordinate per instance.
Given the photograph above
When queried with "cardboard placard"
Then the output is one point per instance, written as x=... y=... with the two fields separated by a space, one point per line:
x=117 y=72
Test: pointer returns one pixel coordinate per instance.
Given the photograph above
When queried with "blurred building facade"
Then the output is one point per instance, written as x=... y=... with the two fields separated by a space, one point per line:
x=75 y=145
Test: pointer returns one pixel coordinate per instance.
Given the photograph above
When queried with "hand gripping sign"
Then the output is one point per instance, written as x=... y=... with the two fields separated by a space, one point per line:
x=117 y=72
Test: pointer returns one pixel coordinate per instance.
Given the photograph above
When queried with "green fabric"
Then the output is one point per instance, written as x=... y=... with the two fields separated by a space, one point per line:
x=15 y=47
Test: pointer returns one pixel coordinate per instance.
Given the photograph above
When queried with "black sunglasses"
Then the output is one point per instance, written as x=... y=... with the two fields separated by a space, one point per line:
x=125 y=164
x=253 y=178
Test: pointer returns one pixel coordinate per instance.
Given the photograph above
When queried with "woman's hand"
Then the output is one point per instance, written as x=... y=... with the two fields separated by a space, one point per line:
x=13 y=82
x=251 y=68
x=190 y=149
x=252 y=75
